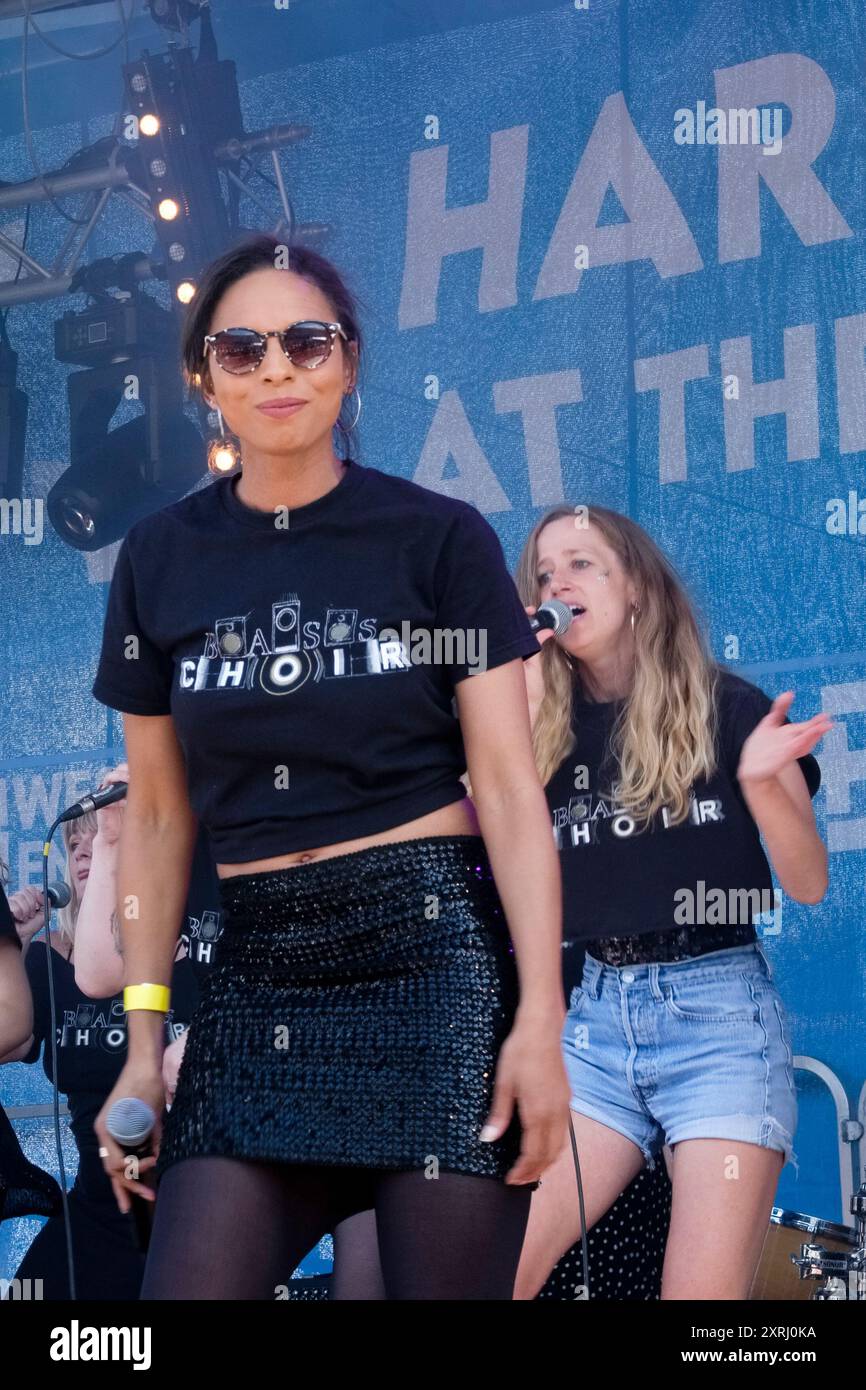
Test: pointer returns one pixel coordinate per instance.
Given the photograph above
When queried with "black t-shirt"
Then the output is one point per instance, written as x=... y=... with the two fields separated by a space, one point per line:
x=7 y=921
x=91 y=1048
x=619 y=880
x=202 y=927
x=309 y=657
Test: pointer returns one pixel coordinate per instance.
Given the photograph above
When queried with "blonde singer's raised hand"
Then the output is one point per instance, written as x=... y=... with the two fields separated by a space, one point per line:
x=109 y=819
x=773 y=744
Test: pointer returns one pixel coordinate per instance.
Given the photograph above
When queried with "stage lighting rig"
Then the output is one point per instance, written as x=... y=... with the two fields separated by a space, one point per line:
x=181 y=157
x=176 y=14
x=129 y=346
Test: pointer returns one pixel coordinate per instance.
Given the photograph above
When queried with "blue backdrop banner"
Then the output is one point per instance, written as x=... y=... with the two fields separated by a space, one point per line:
x=609 y=252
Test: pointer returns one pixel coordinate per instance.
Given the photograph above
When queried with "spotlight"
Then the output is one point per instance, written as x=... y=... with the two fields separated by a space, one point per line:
x=117 y=476
x=97 y=499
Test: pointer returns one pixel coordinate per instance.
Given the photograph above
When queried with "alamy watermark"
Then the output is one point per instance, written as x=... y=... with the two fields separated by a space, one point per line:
x=741 y=125
x=21 y=1290
x=22 y=516
x=440 y=646
x=721 y=907
x=78 y=1342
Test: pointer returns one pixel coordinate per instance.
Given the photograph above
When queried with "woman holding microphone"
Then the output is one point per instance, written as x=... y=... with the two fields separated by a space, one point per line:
x=25 y=1190
x=91 y=1038
x=367 y=1016
x=16 y=1006
x=663 y=773
x=98 y=944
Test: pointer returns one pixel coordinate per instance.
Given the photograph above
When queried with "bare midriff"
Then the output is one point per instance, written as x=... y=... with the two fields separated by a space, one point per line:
x=458 y=818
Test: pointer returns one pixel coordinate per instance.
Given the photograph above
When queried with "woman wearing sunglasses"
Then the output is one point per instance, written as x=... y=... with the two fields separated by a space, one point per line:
x=367 y=1012
x=663 y=773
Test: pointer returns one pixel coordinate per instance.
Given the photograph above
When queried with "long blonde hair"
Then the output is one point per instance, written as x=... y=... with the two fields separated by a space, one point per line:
x=663 y=738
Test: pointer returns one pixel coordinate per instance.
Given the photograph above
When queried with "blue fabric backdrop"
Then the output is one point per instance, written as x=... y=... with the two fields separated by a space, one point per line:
x=563 y=302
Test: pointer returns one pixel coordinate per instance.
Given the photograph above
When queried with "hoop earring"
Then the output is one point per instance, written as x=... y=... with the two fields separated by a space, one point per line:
x=222 y=454
x=635 y=609
x=346 y=428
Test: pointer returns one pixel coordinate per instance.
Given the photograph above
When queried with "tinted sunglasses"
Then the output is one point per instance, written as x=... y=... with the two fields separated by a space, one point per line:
x=306 y=344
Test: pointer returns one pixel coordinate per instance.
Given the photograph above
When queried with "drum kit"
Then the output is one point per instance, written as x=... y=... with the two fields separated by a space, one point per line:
x=832 y=1254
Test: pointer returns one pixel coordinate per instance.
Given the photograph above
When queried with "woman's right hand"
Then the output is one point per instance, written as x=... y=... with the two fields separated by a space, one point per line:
x=28 y=909
x=142 y=1081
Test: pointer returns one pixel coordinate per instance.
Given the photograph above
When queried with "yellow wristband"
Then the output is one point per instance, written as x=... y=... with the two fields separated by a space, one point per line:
x=154 y=997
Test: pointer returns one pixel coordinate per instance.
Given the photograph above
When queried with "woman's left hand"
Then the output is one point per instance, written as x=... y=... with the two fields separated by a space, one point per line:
x=109 y=819
x=530 y=1072
x=773 y=744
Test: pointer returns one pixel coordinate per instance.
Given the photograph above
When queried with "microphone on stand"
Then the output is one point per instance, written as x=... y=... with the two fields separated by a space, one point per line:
x=94 y=801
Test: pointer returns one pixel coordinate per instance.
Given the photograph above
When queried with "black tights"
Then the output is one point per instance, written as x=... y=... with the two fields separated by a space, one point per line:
x=227 y=1228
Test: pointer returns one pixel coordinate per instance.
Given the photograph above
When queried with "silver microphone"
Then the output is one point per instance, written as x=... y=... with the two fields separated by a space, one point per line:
x=59 y=894
x=555 y=614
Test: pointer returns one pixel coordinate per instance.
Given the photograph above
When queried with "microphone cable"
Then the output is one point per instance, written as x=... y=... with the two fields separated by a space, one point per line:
x=52 y=1011
x=115 y=792
x=583 y=1230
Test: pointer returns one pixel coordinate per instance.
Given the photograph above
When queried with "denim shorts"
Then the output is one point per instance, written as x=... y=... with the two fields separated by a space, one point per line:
x=697 y=1049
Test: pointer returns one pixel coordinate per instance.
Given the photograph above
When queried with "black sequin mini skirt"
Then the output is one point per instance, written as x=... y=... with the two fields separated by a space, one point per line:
x=354 y=1016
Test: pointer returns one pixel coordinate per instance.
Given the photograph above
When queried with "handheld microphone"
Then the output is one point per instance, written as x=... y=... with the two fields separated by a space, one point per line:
x=94 y=801
x=60 y=894
x=130 y=1122
x=554 y=613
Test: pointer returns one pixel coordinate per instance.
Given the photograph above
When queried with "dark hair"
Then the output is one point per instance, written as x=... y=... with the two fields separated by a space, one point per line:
x=254 y=251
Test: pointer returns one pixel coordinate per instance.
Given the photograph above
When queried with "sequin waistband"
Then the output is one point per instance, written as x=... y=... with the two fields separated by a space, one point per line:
x=397 y=897
x=677 y=943
x=362 y=869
